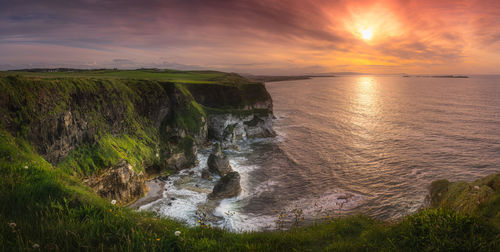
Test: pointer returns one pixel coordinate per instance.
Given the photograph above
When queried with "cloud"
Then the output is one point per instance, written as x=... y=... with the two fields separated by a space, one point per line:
x=252 y=36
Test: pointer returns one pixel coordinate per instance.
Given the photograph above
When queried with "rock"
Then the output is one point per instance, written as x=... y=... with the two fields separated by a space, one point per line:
x=120 y=182
x=163 y=178
x=218 y=162
x=260 y=127
x=227 y=187
x=205 y=174
x=229 y=128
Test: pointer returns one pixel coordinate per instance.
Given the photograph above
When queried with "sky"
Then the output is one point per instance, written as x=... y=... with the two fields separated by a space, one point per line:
x=273 y=37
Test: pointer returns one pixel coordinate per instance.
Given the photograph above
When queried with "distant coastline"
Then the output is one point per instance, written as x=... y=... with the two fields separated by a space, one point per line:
x=437 y=76
x=274 y=78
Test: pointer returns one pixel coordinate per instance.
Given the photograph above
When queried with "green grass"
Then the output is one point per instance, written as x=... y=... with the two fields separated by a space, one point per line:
x=111 y=108
x=109 y=150
x=193 y=77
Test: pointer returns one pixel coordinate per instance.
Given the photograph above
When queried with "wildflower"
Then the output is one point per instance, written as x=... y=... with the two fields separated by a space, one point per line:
x=12 y=225
x=158 y=239
x=36 y=246
x=199 y=221
x=25 y=167
x=113 y=202
x=157 y=154
x=177 y=233
x=476 y=187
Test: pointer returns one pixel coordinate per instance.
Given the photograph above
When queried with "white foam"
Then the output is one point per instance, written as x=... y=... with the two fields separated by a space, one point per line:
x=180 y=200
x=230 y=209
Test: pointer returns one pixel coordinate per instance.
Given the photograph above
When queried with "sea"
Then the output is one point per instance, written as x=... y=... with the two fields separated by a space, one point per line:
x=348 y=145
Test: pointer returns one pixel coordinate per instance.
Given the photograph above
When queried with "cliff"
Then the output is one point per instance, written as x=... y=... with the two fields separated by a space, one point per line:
x=88 y=125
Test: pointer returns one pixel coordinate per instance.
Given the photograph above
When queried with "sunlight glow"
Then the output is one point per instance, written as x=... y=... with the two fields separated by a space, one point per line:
x=367 y=34
x=373 y=24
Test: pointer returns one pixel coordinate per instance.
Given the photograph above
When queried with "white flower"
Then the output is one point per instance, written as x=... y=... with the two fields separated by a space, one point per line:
x=157 y=154
x=36 y=246
x=12 y=225
x=113 y=202
x=177 y=233
x=476 y=187
x=25 y=167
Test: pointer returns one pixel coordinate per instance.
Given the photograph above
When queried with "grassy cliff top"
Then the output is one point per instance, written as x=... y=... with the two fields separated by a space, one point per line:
x=177 y=76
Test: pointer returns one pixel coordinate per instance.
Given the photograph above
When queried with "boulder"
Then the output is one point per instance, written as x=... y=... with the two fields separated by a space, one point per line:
x=120 y=183
x=218 y=162
x=205 y=174
x=227 y=187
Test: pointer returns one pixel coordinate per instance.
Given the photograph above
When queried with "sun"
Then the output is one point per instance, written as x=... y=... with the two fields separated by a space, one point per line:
x=367 y=33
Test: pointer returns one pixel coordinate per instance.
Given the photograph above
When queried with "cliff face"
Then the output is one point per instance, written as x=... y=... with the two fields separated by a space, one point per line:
x=235 y=113
x=88 y=126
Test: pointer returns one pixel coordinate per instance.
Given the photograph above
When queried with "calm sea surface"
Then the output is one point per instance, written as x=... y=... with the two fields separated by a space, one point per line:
x=369 y=144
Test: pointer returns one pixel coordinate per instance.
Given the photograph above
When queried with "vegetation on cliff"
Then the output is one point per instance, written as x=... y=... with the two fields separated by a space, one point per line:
x=102 y=117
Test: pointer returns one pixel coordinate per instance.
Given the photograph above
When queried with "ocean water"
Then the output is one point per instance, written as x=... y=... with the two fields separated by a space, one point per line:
x=351 y=144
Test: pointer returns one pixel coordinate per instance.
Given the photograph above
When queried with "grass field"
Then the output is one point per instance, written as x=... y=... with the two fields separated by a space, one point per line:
x=192 y=77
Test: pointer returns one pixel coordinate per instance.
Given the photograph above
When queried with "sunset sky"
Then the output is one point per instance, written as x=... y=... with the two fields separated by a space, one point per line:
x=259 y=37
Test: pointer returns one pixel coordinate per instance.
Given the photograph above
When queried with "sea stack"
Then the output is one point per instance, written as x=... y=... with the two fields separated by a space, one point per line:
x=218 y=162
x=227 y=187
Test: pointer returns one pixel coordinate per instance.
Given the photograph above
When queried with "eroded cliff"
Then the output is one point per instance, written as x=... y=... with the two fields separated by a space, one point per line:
x=94 y=127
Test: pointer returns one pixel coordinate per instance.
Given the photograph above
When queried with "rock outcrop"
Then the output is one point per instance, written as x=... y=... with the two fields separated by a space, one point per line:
x=227 y=187
x=120 y=183
x=230 y=128
x=217 y=162
x=462 y=196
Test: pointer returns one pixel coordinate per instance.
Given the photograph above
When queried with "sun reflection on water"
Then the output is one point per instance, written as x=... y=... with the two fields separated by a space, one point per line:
x=366 y=92
x=365 y=106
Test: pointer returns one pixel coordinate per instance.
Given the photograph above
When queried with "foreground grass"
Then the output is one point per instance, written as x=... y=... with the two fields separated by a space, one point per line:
x=43 y=207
